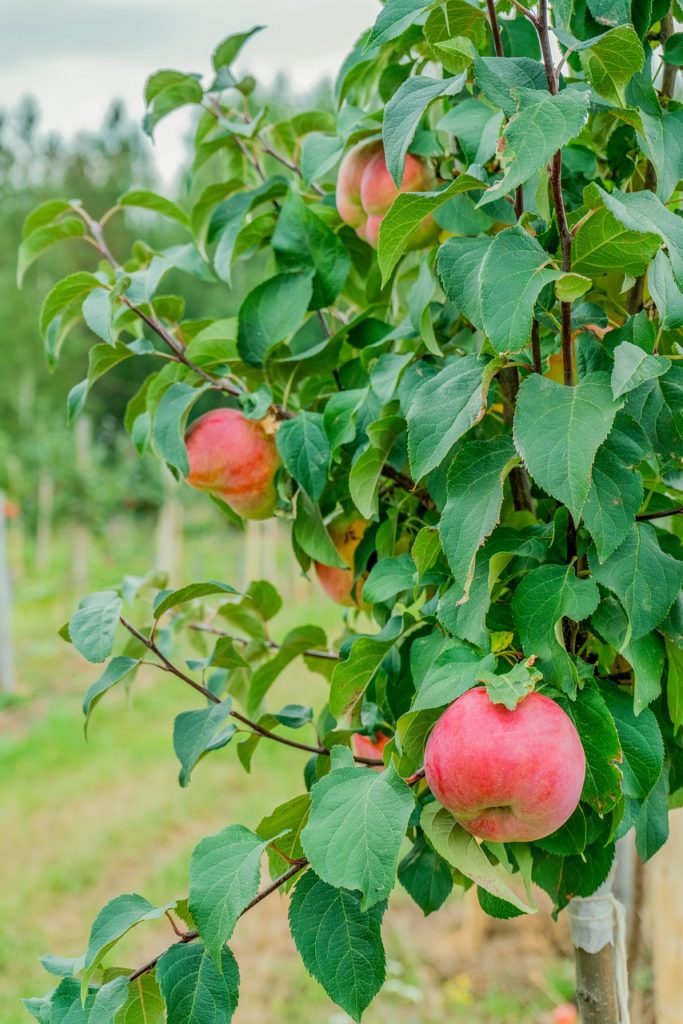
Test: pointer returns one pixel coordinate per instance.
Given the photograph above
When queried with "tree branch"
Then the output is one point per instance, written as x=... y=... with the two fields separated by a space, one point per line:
x=663 y=514
x=191 y=936
x=203 y=627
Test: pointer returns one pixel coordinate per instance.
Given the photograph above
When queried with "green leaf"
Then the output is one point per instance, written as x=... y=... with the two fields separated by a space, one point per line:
x=426 y=549
x=602 y=244
x=674 y=683
x=145 y=1004
x=615 y=493
x=389 y=577
x=97 y=313
x=646 y=656
x=667 y=296
x=296 y=642
x=405 y=213
x=459 y=263
x=43 y=238
x=462 y=851
x=474 y=499
x=612 y=61
x=514 y=269
x=425 y=876
x=462 y=389
x=312 y=536
x=92 y=627
x=271 y=312
x=354 y=834
x=287 y=822
x=632 y=367
x=117 y=669
x=366 y=471
x=404 y=111
x=112 y=923
x=305 y=451
x=673 y=49
x=643 y=212
x=412 y=730
x=147 y=200
x=595 y=726
x=644 y=578
x=558 y=431
x=339 y=943
x=197 y=733
x=570 y=287
x=543 y=598
x=225 y=871
x=652 y=823
x=229 y=48
x=476 y=127
x=109 y=1000
x=69 y=289
x=544 y=124
x=303 y=242
x=168 y=599
x=511 y=687
x=497 y=77
x=455 y=669
x=167 y=91
x=169 y=424
x=610 y=12
x=194 y=991
x=641 y=743
x=352 y=677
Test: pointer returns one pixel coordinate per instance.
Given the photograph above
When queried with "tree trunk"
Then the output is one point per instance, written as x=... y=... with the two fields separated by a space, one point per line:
x=665 y=885
x=598 y=934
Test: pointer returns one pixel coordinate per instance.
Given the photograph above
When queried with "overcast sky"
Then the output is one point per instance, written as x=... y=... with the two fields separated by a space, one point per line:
x=75 y=56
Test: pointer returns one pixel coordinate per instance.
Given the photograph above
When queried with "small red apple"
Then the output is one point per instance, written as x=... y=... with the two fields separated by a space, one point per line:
x=507 y=776
x=346 y=533
x=235 y=459
x=369 y=746
x=366 y=190
x=565 y=1013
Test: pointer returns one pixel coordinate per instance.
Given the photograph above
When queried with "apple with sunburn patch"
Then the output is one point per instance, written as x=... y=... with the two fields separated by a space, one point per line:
x=346 y=533
x=366 y=190
x=507 y=776
x=235 y=459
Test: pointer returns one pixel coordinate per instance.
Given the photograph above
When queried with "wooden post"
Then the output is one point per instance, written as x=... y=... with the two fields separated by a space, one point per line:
x=598 y=933
x=81 y=532
x=7 y=675
x=169 y=544
x=46 y=501
x=665 y=885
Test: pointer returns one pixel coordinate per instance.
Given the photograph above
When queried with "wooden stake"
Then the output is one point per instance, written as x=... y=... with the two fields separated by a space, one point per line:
x=7 y=676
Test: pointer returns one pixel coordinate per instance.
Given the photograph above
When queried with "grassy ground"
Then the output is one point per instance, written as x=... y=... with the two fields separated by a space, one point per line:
x=81 y=823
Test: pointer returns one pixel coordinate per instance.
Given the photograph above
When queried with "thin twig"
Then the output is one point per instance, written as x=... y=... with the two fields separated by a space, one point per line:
x=203 y=627
x=663 y=514
x=191 y=936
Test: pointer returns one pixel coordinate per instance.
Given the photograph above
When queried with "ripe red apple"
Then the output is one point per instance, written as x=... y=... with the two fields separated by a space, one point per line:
x=565 y=1013
x=369 y=746
x=508 y=776
x=366 y=190
x=235 y=459
x=346 y=533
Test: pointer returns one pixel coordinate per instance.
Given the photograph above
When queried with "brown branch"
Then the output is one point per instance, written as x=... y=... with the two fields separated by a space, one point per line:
x=202 y=627
x=536 y=347
x=663 y=514
x=495 y=28
x=192 y=935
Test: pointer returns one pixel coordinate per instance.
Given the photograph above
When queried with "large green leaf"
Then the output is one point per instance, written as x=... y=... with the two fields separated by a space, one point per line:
x=667 y=296
x=644 y=578
x=459 y=263
x=514 y=271
x=302 y=241
x=463 y=852
x=225 y=871
x=43 y=237
x=295 y=643
x=674 y=683
x=271 y=312
x=543 y=124
x=112 y=923
x=444 y=407
x=352 y=676
x=169 y=424
x=168 y=599
x=339 y=943
x=287 y=822
x=355 y=830
x=117 y=669
x=145 y=1004
x=406 y=213
x=197 y=733
x=194 y=990
x=305 y=451
x=367 y=469
x=475 y=496
x=632 y=367
x=403 y=112
x=616 y=490
x=602 y=244
x=612 y=61
x=497 y=77
x=595 y=725
x=652 y=823
x=425 y=876
x=558 y=431
x=542 y=599
x=641 y=743
x=455 y=669
x=92 y=627
x=388 y=577
x=646 y=656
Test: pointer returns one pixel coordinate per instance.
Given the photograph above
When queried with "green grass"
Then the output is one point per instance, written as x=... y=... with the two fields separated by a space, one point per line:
x=83 y=822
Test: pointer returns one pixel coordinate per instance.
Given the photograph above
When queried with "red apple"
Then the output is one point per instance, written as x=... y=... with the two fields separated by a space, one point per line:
x=565 y=1013
x=507 y=776
x=366 y=190
x=346 y=533
x=368 y=746
x=235 y=459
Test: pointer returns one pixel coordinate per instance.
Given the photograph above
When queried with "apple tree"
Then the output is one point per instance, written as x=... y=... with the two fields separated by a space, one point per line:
x=457 y=380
